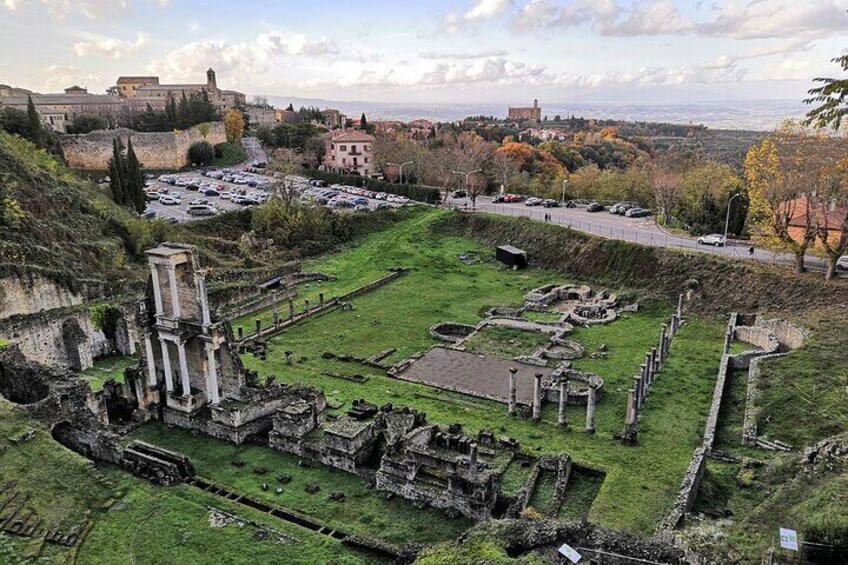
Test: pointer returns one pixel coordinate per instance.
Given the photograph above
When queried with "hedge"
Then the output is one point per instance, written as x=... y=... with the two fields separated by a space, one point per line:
x=420 y=193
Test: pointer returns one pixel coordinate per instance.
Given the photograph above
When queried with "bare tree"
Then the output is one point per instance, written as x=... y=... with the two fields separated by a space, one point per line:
x=667 y=189
x=827 y=163
x=471 y=155
x=504 y=168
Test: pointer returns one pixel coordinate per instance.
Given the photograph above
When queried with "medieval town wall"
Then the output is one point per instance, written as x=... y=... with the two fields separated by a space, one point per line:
x=160 y=150
x=28 y=295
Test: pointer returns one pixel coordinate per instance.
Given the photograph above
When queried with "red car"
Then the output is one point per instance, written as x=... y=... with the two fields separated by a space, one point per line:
x=512 y=198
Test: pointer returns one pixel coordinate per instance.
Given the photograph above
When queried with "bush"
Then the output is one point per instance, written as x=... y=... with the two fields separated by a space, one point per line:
x=229 y=153
x=426 y=194
x=201 y=153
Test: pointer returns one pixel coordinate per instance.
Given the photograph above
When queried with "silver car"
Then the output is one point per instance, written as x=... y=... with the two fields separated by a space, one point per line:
x=714 y=239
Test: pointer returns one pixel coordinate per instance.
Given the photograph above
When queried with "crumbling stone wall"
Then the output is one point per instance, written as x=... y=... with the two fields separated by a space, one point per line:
x=29 y=295
x=161 y=150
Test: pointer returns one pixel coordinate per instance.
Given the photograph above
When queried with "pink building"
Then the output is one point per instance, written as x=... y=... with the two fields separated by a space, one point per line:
x=349 y=151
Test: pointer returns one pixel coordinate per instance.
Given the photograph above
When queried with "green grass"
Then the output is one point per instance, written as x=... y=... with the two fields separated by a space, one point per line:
x=151 y=525
x=515 y=477
x=107 y=368
x=364 y=511
x=64 y=488
x=542 y=316
x=544 y=495
x=231 y=154
x=505 y=342
x=581 y=491
x=641 y=482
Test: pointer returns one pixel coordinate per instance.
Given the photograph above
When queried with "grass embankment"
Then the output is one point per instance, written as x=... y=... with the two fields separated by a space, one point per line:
x=722 y=284
x=641 y=482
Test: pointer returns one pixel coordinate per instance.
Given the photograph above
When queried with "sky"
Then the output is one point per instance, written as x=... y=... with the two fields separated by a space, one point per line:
x=472 y=51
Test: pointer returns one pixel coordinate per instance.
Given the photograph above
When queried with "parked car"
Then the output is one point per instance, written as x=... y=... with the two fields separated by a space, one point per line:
x=715 y=239
x=153 y=195
x=383 y=206
x=637 y=212
x=842 y=263
x=361 y=208
x=209 y=191
x=169 y=200
x=595 y=207
x=497 y=198
x=459 y=194
x=620 y=208
x=550 y=203
x=148 y=213
x=202 y=210
x=513 y=198
x=198 y=201
x=533 y=201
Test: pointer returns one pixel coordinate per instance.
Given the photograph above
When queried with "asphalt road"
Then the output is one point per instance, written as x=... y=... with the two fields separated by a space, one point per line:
x=637 y=230
x=254 y=150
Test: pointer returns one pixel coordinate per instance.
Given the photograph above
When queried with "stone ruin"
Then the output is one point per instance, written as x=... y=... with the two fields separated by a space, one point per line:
x=579 y=304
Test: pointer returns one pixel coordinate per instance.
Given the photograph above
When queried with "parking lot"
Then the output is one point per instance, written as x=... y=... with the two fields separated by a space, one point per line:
x=250 y=184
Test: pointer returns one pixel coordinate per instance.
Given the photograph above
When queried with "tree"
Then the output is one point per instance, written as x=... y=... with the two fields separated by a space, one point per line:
x=832 y=97
x=667 y=189
x=201 y=153
x=87 y=123
x=780 y=207
x=828 y=168
x=117 y=175
x=35 y=124
x=113 y=91
x=135 y=180
x=234 y=125
x=363 y=123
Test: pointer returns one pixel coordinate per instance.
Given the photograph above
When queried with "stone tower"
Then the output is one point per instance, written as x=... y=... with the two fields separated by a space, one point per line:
x=211 y=82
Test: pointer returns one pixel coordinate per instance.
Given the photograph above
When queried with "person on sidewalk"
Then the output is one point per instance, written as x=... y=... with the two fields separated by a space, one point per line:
x=751 y=251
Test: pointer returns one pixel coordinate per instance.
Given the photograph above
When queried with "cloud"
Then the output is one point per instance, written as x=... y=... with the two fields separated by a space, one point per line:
x=244 y=61
x=91 y=9
x=463 y=55
x=735 y=19
x=58 y=77
x=480 y=11
x=194 y=26
x=759 y=19
x=110 y=47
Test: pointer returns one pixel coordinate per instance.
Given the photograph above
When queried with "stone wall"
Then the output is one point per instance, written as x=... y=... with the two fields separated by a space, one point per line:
x=160 y=150
x=28 y=295
x=67 y=340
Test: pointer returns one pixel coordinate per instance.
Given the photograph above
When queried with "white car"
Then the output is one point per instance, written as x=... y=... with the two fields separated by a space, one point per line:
x=714 y=239
x=169 y=200
x=842 y=263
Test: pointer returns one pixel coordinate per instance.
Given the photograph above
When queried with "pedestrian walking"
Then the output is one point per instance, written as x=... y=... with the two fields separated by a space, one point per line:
x=751 y=251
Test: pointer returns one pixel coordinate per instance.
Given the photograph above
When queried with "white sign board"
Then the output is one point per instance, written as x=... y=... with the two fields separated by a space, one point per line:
x=788 y=539
x=570 y=553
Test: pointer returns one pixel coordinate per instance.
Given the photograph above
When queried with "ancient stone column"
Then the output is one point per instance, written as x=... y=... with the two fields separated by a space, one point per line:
x=472 y=463
x=175 y=295
x=728 y=339
x=291 y=309
x=674 y=325
x=211 y=375
x=590 y=409
x=166 y=365
x=563 y=402
x=184 y=380
x=631 y=409
x=306 y=305
x=151 y=361
x=157 y=290
x=512 y=391
x=205 y=314
x=635 y=412
x=663 y=343
x=537 y=396
x=321 y=299
x=680 y=307
x=276 y=316
x=643 y=374
x=649 y=365
x=258 y=326
x=655 y=359
x=637 y=385
x=240 y=331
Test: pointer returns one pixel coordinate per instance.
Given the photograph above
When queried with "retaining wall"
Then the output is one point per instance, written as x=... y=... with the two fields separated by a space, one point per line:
x=160 y=150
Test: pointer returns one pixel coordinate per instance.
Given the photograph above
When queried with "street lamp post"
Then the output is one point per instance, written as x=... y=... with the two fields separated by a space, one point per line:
x=468 y=174
x=564 y=182
x=727 y=218
x=400 y=167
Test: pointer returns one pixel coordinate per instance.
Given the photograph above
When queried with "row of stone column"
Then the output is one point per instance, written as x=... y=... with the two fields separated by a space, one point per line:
x=176 y=310
x=648 y=372
x=211 y=370
x=276 y=315
x=562 y=416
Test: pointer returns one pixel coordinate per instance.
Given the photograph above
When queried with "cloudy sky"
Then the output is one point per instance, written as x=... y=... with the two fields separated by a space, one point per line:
x=492 y=51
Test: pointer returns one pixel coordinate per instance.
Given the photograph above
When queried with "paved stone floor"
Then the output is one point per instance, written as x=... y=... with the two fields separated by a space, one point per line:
x=470 y=373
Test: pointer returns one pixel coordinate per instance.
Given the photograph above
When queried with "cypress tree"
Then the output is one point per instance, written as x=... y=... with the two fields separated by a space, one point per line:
x=117 y=173
x=35 y=126
x=171 y=112
x=363 y=123
x=183 y=113
x=134 y=180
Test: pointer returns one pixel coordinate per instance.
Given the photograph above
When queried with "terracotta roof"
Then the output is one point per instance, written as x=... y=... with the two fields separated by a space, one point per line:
x=798 y=208
x=134 y=79
x=349 y=136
